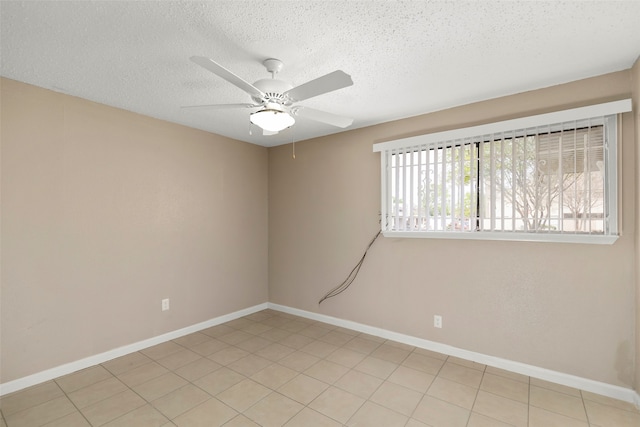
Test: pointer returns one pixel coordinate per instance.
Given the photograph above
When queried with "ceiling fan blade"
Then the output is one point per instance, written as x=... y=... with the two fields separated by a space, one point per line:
x=322 y=116
x=219 y=106
x=220 y=71
x=327 y=83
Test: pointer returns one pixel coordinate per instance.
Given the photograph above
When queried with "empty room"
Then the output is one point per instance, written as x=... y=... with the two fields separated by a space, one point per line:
x=320 y=213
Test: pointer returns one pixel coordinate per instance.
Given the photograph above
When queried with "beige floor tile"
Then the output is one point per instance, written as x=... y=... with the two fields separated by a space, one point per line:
x=376 y=367
x=411 y=378
x=274 y=376
x=240 y=322
x=273 y=411
x=337 y=338
x=256 y=328
x=142 y=374
x=303 y=389
x=468 y=363
x=390 y=353
x=542 y=418
x=397 y=398
x=274 y=352
x=235 y=337
x=180 y=401
x=41 y=414
x=434 y=354
x=461 y=374
x=373 y=415
x=609 y=416
x=319 y=349
x=424 y=363
x=560 y=403
x=308 y=418
x=337 y=404
x=218 y=330
x=415 y=423
x=249 y=365
x=243 y=395
x=275 y=321
x=192 y=339
x=113 y=407
x=197 y=369
x=479 y=420
x=609 y=401
x=211 y=413
x=146 y=416
x=179 y=359
x=241 y=421
x=505 y=387
x=453 y=392
x=328 y=372
x=359 y=383
x=96 y=392
x=507 y=374
x=209 y=347
x=161 y=350
x=346 y=357
x=253 y=344
x=296 y=341
x=298 y=361
x=294 y=326
x=126 y=363
x=83 y=378
x=160 y=386
x=314 y=331
x=275 y=334
x=362 y=345
x=262 y=315
x=501 y=408
x=400 y=345
x=219 y=380
x=228 y=355
x=373 y=338
x=74 y=419
x=555 y=387
x=436 y=412
x=29 y=397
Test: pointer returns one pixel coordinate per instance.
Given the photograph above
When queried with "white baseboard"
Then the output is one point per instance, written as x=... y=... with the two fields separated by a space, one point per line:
x=613 y=391
x=71 y=367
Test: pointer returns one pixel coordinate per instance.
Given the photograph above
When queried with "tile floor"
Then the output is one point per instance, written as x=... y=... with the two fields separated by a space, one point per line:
x=275 y=369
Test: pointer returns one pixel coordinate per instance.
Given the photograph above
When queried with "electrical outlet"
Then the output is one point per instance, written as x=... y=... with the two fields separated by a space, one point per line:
x=437 y=321
x=165 y=304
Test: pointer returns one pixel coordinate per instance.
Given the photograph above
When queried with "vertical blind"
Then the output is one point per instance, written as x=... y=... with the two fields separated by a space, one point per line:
x=544 y=179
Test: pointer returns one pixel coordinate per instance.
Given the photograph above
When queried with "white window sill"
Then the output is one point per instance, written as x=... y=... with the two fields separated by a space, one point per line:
x=520 y=237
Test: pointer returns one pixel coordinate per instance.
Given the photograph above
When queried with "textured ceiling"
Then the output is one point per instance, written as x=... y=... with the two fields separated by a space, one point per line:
x=405 y=57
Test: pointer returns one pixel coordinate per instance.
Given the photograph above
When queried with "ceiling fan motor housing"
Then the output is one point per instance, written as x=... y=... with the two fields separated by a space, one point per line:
x=273 y=89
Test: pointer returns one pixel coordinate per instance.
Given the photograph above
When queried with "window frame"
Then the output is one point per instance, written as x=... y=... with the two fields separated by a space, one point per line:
x=609 y=111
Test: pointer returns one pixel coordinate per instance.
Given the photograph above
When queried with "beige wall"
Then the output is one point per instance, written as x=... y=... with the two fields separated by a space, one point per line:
x=105 y=213
x=565 y=307
x=635 y=78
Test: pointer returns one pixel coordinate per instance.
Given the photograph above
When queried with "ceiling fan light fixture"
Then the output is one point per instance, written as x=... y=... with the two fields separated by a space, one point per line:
x=272 y=119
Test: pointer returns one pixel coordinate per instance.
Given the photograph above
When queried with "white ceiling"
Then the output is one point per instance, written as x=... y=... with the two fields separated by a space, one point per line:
x=406 y=57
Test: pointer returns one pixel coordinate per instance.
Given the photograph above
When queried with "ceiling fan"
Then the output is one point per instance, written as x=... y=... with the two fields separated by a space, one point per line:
x=276 y=100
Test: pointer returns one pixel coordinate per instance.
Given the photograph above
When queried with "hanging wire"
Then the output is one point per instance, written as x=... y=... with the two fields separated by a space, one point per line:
x=352 y=276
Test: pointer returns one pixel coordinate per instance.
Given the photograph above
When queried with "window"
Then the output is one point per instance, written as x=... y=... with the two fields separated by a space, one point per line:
x=550 y=177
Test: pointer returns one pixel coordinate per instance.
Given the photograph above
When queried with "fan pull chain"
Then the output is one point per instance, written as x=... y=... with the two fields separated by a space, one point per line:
x=293 y=144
